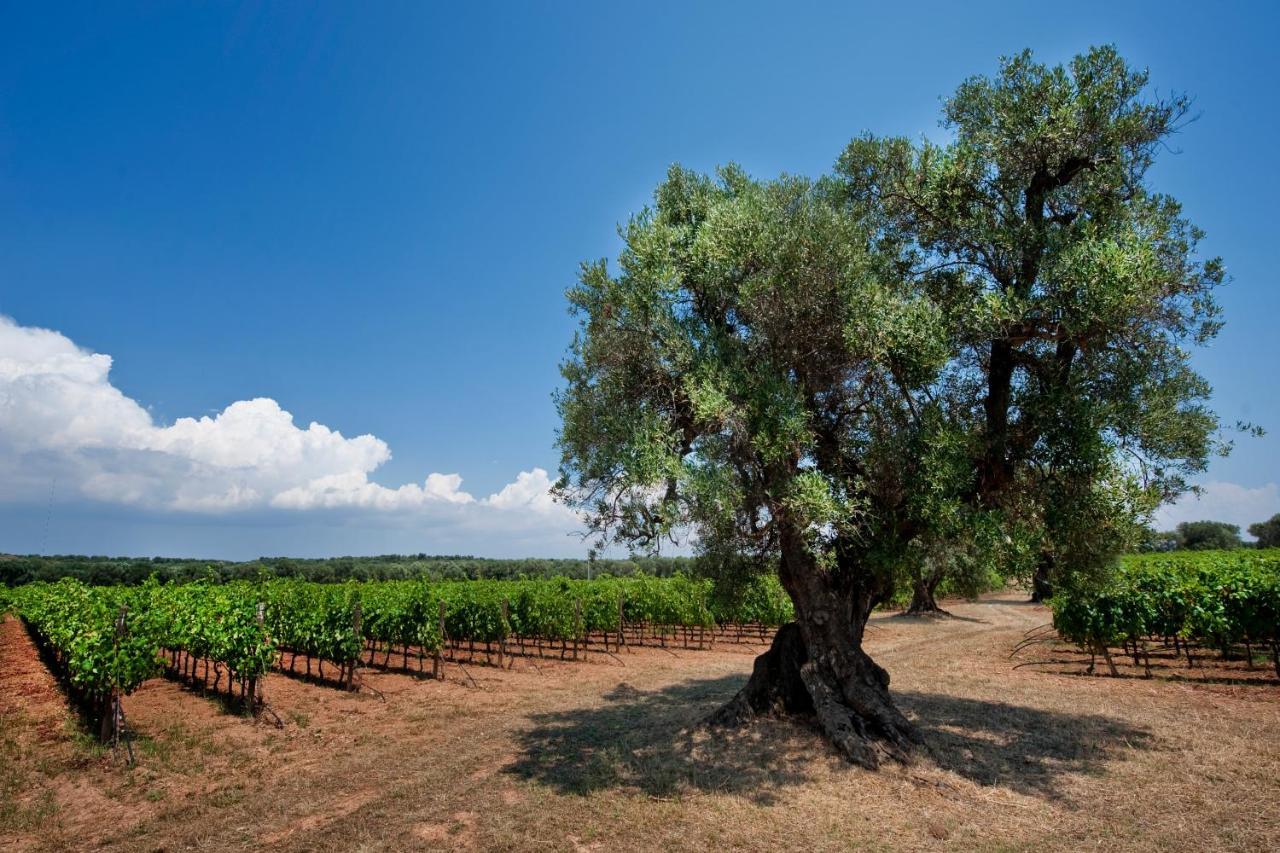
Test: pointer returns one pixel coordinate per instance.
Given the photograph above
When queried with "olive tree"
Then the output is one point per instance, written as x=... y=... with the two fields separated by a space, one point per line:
x=982 y=342
x=1208 y=536
x=967 y=566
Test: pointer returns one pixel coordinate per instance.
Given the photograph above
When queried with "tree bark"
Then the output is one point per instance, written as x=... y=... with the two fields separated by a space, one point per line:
x=816 y=667
x=1041 y=584
x=923 y=602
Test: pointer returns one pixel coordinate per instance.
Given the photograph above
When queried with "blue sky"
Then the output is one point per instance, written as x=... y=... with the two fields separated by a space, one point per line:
x=368 y=214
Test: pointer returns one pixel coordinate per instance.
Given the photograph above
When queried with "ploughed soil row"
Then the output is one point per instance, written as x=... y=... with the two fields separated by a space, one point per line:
x=1025 y=752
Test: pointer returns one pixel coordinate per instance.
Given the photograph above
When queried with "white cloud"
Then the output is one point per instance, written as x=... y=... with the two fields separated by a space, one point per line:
x=353 y=489
x=531 y=490
x=53 y=395
x=1221 y=501
x=61 y=418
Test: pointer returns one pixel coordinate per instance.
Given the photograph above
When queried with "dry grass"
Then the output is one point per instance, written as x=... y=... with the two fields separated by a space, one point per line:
x=604 y=756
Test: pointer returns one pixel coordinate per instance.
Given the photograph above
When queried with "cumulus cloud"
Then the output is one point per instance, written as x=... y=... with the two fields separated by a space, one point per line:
x=62 y=419
x=353 y=489
x=531 y=490
x=1221 y=501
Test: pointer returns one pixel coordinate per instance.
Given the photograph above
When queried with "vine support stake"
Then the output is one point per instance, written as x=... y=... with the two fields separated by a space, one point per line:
x=577 y=625
x=111 y=715
x=356 y=618
x=259 y=616
x=437 y=670
x=622 y=634
x=502 y=638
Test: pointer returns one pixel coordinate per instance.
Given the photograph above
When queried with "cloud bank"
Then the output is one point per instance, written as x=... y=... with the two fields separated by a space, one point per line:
x=62 y=420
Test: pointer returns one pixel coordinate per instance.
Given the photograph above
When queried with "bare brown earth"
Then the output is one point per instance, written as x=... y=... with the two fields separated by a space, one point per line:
x=601 y=756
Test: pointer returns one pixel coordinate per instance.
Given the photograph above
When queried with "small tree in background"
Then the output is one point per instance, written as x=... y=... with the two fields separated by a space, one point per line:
x=965 y=568
x=1208 y=536
x=1267 y=532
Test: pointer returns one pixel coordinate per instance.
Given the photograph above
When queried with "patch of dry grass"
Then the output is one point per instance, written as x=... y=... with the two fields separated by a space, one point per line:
x=25 y=803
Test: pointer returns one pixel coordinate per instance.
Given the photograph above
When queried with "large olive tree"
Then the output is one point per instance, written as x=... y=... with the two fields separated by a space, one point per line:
x=978 y=342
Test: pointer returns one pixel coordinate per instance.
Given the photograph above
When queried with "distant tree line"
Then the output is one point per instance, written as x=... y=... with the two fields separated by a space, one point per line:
x=100 y=571
x=104 y=571
x=1267 y=532
x=1212 y=536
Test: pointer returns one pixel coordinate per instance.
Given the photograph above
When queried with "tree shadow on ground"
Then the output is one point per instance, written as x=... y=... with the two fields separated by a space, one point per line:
x=904 y=618
x=649 y=742
x=646 y=741
x=1076 y=664
x=1024 y=749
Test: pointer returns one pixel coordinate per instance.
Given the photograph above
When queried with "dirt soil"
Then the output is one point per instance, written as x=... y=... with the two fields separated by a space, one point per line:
x=604 y=755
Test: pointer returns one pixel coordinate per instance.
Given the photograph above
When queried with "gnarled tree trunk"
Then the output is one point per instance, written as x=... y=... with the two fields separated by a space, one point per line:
x=1041 y=582
x=923 y=588
x=816 y=666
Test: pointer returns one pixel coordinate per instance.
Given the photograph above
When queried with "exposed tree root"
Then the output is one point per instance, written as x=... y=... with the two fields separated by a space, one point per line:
x=844 y=690
x=775 y=686
x=927 y=609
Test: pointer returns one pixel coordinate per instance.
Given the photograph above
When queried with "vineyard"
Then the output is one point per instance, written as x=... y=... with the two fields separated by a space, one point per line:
x=223 y=638
x=506 y=740
x=106 y=641
x=1223 y=603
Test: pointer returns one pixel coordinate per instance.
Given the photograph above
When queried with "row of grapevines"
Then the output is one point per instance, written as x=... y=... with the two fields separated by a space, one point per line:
x=401 y=613
x=1219 y=599
x=319 y=619
x=314 y=619
x=220 y=623
x=215 y=623
x=81 y=625
x=102 y=638
x=677 y=600
x=758 y=601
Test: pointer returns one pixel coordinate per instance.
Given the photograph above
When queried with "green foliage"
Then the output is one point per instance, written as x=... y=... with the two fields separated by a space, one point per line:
x=1208 y=536
x=978 y=342
x=678 y=600
x=759 y=599
x=401 y=613
x=1217 y=598
x=315 y=619
x=219 y=622
x=1267 y=532
x=107 y=571
x=79 y=625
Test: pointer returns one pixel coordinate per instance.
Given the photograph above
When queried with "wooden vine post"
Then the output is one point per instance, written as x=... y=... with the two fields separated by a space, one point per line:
x=577 y=625
x=356 y=617
x=111 y=714
x=437 y=670
x=502 y=638
x=260 y=615
x=622 y=634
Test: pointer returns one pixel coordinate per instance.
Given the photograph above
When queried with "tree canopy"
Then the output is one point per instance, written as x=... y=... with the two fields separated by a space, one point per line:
x=1208 y=535
x=1267 y=532
x=982 y=343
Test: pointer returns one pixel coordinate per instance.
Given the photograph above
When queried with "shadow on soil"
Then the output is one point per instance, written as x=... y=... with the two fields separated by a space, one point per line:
x=903 y=617
x=1012 y=746
x=1229 y=673
x=648 y=741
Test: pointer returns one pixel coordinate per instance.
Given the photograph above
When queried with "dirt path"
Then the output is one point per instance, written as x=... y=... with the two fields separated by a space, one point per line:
x=999 y=619
x=605 y=756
